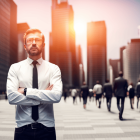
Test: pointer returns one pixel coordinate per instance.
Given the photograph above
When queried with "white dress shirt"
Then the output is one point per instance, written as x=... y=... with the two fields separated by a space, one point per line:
x=73 y=92
x=20 y=75
x=97 y=88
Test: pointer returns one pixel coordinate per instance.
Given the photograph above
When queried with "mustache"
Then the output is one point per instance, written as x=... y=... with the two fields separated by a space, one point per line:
x=33 y=47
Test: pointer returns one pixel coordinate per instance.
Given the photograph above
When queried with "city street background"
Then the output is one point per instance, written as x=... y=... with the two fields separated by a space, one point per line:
x=75 y=123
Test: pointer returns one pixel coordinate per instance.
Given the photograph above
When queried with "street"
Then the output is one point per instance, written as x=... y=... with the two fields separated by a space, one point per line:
x=75 y=123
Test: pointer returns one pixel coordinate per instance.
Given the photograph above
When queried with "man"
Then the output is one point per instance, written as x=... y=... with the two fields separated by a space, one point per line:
x=34 y=85
x=73 y=94
x=97 y=89
x=84 y=92
x=120 y=90
x=107 y=89
x=138 y=92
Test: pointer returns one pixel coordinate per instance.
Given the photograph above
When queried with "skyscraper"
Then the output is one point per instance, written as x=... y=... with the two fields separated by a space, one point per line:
x=62 y=41
x=80 y=74
x=131 y=61
x=121 y=57
x=115 y=67
x=13 y=33
x=8 y=39
x=21 y=28
x=96 y=53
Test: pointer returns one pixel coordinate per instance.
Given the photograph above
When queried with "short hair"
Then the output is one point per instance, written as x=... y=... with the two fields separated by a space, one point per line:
x=84 y=83
x=132 y=84
x=97 y=82
x=139 y=80
x=33 y=31
x=121 y=73
x=107 y=81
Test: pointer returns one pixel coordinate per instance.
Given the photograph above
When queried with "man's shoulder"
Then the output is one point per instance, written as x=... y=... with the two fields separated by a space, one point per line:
x=51 y=65
x=18 y=64
x=120 y=79
x=107 y=84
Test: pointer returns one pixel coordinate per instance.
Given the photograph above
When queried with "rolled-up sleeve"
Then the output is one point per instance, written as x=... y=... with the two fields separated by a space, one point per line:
x=14 y=97
x=48 y=96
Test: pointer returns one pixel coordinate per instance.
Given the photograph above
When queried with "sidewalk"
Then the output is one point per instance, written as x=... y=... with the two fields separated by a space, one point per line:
x=75 y=123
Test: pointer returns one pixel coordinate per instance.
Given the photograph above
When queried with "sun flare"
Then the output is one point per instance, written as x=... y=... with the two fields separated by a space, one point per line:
x=80 y=27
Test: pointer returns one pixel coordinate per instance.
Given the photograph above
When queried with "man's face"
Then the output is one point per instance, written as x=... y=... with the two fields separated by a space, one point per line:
x=34 y=45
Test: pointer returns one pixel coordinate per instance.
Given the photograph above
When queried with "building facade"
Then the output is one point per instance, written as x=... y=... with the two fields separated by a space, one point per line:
x=121 y=57
x=131 y=61
x=8 y=39
x=62 y=42
x=96 y=53
x=115 y=64
x=21 y=28
x=81 y=74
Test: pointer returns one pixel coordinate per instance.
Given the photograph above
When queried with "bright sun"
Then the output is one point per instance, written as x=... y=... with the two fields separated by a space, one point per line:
x=80 y=27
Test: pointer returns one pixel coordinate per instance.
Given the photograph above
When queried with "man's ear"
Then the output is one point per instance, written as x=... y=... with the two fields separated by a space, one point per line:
x=24 y=46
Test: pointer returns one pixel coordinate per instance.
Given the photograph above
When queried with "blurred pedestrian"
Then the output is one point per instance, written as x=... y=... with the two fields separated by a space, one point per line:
x=120 y=90
x=131 y=91
x=97 y=89
x=65 y=94
x=138 y=92
x=85 y=92
x=107 y=89
x=73 y=94
x=91 y=95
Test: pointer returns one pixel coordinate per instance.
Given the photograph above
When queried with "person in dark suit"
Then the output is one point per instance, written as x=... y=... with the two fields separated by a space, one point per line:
x=138 y=92
x=120 y=90
x=107 y=89
x=131 y=91
x=65 y=94
x=85 y=92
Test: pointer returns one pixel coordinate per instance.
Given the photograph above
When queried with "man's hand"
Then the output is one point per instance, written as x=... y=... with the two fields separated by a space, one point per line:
x=50 y=87
x=21 y=90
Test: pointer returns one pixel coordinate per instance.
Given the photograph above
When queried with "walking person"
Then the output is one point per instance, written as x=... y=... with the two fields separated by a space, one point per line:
x=85 y=92
x=33 y=85
x=131 y=91
x=107 y=89
x=120 y=90
x=138 y=92
x=90 y=94
x=65 y=94
x=97 y=89
x=73 y=94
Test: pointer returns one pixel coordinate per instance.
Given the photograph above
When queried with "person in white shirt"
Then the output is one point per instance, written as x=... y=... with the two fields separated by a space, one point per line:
x=97 y=89
x=73 y=94
x=33 y=85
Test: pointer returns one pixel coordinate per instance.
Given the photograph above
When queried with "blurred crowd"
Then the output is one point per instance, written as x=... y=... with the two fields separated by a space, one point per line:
x=120 y=89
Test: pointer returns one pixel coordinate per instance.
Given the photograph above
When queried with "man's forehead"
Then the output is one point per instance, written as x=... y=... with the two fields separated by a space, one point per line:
x=32 y=35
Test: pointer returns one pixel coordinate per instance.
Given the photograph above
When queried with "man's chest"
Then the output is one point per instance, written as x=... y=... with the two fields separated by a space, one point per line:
x=25 y=77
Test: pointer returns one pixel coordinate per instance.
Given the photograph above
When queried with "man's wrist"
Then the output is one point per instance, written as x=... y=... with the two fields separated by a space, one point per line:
x=25 y=90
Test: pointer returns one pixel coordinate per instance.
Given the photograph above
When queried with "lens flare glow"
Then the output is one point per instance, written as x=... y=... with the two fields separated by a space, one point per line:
x=80 y=27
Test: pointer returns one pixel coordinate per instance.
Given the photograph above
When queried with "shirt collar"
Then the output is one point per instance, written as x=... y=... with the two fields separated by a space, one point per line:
x=30 y=61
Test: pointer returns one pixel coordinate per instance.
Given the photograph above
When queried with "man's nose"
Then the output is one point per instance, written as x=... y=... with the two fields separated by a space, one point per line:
x=33 y=41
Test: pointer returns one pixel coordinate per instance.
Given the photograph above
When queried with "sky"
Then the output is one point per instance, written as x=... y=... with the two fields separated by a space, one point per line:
x=122 y=18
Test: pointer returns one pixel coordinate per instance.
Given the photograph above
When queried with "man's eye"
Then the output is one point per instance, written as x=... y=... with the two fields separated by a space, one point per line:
x=29 y=40
x=37 y=39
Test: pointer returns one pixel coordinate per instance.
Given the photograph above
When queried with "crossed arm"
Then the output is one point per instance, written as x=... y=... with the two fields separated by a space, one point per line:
x=33 y=96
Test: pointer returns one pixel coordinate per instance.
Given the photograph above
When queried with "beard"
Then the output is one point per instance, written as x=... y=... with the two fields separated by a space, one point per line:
x=34 y=53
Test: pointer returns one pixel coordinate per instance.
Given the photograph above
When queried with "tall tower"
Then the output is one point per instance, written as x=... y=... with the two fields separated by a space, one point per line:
x=62 y=42
x=131 y=61
x=21 y=28
x=96 y=53
x=8 y=39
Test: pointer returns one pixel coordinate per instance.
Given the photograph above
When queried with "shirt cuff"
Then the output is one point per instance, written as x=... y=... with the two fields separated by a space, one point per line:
x=31 y=93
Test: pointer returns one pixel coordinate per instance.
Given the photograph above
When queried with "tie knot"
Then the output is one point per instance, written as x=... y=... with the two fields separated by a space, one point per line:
x=34 y=63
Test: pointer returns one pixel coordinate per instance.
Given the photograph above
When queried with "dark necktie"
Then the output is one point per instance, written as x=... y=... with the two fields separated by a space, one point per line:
x=35 y=115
